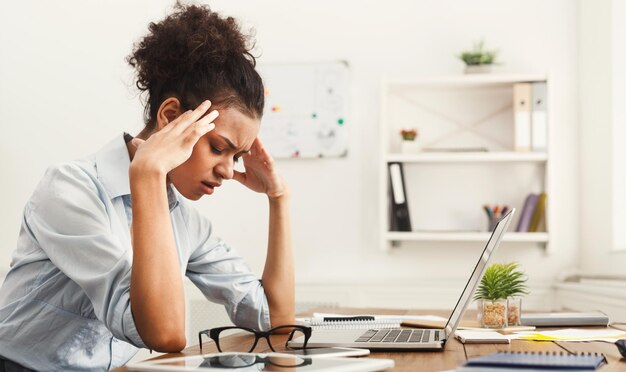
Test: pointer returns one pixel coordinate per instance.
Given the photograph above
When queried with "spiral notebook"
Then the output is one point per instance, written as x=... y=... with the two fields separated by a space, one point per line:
x=535 y=361
x=352 y=322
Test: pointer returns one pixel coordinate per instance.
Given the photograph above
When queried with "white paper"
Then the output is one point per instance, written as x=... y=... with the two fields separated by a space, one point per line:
x=576 y=335
x=481 y=337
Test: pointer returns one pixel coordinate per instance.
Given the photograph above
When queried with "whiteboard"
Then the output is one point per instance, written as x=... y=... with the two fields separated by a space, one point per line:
x=305 y=112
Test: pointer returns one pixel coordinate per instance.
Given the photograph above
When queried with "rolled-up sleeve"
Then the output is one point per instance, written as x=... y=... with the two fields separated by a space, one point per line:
x=223 y=276
x=72 y=222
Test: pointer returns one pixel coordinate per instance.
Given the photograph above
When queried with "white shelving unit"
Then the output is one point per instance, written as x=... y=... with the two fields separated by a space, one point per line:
x=540 y=237
x=468 y=157
x=446 y=190
x=468 y=80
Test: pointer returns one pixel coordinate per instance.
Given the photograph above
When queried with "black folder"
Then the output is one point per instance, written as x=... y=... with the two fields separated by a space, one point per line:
x=400 y=220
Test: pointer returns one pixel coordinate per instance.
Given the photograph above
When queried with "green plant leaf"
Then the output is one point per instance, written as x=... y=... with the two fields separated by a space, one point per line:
x=478 y=55
x=501 y=281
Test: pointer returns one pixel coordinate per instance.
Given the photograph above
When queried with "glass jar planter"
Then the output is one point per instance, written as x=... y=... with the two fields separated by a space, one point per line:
x=514 y=311
x=493 y=314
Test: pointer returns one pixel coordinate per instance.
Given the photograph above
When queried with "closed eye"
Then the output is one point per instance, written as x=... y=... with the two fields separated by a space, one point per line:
x=238 y=156
x=217 y=151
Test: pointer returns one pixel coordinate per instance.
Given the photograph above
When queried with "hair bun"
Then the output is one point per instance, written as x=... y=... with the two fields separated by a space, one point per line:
x=189 y=39
x=194 y=54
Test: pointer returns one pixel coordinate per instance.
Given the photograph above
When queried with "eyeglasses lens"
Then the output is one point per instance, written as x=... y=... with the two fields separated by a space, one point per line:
x=279 y=337
x=236 y=340
x=621 y=346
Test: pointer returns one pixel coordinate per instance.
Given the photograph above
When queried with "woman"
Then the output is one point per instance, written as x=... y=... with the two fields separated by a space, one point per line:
x=105 y=241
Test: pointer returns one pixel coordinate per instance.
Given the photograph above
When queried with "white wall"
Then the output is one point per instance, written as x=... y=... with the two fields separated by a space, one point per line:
x=65 y=90
x=618 y=69
x=599 y=134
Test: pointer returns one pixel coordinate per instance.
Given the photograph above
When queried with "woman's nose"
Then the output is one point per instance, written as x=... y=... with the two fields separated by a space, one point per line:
x=226 y=170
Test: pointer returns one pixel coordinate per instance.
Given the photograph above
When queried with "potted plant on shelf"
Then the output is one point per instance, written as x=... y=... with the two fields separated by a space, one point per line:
x=409 y=142
x=498 y=296
x=478 y=59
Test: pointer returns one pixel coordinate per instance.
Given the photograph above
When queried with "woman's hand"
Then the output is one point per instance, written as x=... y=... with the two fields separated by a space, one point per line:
x=260 y=175
x=173 y=144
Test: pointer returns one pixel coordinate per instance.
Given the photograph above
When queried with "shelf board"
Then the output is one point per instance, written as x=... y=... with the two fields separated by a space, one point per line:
x=461 y=157
x=466 y=80
x=537 y=237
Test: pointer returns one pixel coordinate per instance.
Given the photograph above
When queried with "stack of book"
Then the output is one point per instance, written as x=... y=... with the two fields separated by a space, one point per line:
x=533 y=216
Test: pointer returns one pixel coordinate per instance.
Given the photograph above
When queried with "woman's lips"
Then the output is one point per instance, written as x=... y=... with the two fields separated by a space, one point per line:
x=207 y=187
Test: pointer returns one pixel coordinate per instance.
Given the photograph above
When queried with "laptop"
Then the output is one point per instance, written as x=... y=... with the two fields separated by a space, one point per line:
x=411 y=339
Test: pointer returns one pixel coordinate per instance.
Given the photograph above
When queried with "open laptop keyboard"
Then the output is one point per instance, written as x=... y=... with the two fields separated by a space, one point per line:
x=397 y=335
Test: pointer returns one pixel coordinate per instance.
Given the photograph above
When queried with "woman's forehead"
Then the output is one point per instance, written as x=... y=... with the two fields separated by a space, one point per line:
x=237 y=137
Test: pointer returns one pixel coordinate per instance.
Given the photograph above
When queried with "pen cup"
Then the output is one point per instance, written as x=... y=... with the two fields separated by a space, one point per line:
x=492 y=222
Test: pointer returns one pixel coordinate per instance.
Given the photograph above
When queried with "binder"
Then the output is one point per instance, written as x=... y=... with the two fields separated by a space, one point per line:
x=527 y=213
x=522 y=110
x=535 y=361
x=399 y=207
x=566 y=319
x=539 y=122
x=537 y=222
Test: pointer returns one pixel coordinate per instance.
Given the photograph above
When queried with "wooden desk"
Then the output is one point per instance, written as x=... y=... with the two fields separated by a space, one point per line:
x=456 y=353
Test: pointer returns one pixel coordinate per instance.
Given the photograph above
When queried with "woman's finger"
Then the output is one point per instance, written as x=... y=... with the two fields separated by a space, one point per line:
x=208 y=119
x=239 y=176
x=198 y=130
x=136 y=142
x=190 y=117
x=256 y=145
x=262 y=153
x=269 y=160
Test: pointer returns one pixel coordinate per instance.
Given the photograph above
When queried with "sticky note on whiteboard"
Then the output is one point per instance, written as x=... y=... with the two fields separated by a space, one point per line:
x=306 y=114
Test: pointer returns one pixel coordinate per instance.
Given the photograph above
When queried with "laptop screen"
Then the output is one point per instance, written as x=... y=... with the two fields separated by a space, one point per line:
x=479 y=270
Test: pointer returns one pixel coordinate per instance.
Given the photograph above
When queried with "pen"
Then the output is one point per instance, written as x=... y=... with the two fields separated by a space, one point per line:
x=487 y=210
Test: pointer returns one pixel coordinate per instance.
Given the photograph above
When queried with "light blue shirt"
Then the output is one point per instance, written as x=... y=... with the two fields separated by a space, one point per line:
x=65 y=303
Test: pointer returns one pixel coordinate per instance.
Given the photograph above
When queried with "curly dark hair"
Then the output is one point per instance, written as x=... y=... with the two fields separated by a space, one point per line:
x=193 y=55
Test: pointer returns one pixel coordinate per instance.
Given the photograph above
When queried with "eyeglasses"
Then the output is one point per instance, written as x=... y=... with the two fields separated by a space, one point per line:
x=236 y=360
x=621 y=346
x=239 y=338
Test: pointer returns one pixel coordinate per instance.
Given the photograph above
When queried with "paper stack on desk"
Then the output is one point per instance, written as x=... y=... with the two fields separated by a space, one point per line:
x=481 y=337
x=571 y=334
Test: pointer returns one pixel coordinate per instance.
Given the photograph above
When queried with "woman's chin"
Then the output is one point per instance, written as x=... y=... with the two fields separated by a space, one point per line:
x=197 y=196
x=191 y=195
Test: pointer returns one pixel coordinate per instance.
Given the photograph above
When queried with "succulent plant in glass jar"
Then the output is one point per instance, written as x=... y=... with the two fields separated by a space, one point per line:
x=498 y=295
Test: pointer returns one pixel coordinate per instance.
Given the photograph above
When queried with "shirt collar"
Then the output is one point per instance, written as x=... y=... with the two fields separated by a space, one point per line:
x=112 y=163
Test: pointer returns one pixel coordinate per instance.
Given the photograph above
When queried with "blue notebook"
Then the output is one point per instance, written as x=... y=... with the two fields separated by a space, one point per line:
x=538 y=361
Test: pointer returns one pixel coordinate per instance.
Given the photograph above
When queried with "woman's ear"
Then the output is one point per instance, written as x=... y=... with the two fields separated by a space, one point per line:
x=169 y=110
